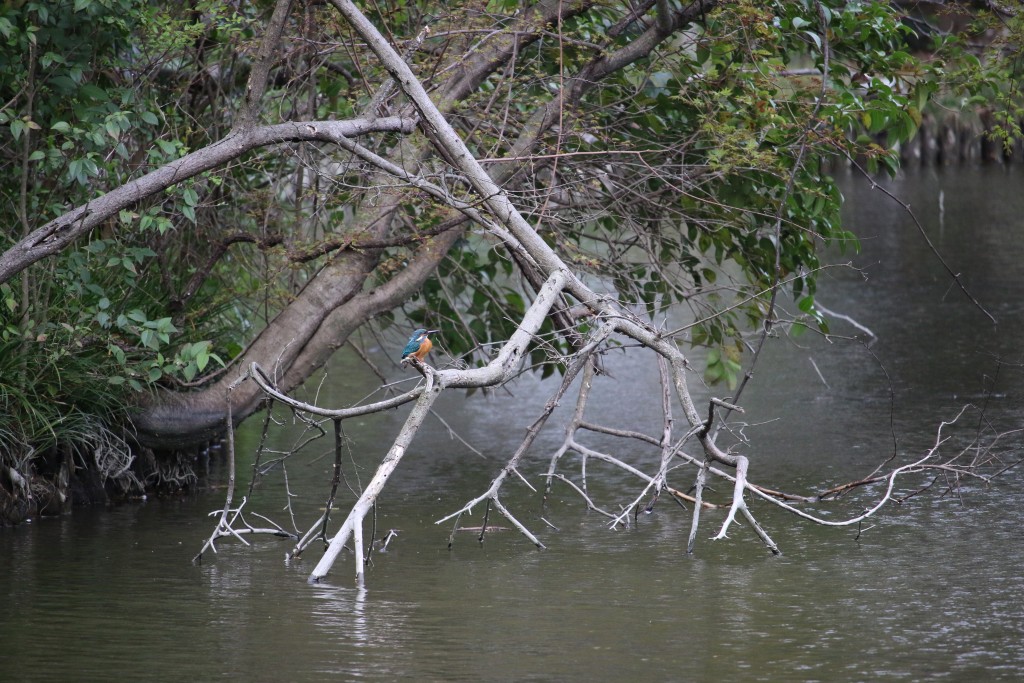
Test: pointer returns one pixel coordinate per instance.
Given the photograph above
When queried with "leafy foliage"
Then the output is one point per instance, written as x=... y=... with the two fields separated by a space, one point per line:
x=85 y=87
x=93 y=93
x=694 y=176
x=978 y=55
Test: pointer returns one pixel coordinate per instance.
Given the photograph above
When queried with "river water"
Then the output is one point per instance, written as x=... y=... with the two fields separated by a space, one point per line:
x=928 y=590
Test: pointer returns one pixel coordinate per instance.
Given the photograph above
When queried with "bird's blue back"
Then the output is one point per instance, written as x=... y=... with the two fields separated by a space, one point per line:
x=414 y=342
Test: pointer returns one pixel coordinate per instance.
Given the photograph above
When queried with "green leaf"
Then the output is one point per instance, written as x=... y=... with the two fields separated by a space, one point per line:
x=165 y=325
x=201 y=352
x=150 y=339
x=117 y=353
x=94 y=92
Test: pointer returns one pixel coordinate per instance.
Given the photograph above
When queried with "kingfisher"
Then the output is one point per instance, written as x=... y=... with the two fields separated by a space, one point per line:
x=419 y=345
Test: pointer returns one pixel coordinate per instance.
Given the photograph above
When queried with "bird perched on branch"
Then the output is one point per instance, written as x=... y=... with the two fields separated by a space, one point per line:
x=419 y=345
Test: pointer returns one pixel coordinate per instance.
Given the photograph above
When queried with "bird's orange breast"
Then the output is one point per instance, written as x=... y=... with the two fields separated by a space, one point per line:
x=425 y=346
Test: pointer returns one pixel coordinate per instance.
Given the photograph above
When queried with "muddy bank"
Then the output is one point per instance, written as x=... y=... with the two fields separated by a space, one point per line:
x=53 y=482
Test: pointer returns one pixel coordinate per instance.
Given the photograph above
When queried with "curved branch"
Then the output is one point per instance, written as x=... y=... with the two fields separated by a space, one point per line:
x=259 y=376
x=51 y=238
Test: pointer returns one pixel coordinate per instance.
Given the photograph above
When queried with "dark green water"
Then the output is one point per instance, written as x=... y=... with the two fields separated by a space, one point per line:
x=933 y=590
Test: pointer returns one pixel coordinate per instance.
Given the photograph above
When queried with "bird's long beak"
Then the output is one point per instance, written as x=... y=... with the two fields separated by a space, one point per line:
x=433 y=331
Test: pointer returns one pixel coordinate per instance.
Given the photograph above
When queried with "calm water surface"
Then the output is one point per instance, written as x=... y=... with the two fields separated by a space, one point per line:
x=931 y=591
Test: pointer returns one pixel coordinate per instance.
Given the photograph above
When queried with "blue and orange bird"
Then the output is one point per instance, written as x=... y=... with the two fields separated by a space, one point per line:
x=419 y=345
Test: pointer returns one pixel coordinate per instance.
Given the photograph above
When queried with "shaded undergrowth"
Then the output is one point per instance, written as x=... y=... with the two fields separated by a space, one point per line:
x=65 y=435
